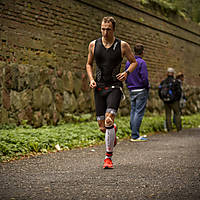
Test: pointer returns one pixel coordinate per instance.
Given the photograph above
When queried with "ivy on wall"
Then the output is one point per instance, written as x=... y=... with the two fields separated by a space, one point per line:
x=185 y=8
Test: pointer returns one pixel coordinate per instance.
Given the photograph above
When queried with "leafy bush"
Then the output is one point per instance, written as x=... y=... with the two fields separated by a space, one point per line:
x=20 y=141
x=185 y=8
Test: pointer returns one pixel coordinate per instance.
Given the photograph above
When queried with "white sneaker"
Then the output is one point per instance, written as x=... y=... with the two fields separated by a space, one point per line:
x=140 y=139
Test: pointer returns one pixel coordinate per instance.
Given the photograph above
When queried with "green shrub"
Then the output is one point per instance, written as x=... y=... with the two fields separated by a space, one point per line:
x=24 y=140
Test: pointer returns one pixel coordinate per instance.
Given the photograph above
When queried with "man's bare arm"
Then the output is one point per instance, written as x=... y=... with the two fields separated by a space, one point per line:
x=89 y=64
x=130 y=56
x=126 y=51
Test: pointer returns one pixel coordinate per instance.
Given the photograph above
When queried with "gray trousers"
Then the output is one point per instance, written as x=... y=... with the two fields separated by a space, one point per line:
x=175 y=107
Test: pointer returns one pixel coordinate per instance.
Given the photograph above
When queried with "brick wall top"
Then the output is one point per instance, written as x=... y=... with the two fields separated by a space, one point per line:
x=56 y=34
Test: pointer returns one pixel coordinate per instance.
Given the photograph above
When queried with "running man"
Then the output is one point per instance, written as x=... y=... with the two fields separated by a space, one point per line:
x=108 y=53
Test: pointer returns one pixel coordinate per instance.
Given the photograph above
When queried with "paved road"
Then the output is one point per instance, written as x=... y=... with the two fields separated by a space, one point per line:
x=165 y=167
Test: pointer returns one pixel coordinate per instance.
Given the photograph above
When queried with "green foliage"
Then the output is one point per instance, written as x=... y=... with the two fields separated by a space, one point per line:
x=191 y=121
x=164 y=6
x=185 y=8
x=189 y=8
x=16 y=142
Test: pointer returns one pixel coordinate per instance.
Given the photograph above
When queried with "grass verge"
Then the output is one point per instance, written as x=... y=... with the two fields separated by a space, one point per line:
x=17 y=142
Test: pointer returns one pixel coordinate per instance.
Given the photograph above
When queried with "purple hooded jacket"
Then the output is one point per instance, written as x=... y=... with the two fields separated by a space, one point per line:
x=138 y=79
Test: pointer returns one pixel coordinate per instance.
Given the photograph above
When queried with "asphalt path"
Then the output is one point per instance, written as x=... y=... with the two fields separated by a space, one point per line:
x=165 y=167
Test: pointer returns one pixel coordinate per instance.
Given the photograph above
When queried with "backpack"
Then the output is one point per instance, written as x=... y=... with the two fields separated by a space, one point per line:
x=167 y=90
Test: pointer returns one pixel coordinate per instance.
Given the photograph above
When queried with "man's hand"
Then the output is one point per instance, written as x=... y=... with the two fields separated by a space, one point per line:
x=122 y=76
x=93 y=84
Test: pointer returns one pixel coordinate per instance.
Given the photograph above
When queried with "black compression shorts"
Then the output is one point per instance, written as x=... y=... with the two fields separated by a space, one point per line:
x=106 y=99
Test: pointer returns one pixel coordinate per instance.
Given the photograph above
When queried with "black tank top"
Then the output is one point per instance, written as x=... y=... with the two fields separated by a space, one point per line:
x=108 y=63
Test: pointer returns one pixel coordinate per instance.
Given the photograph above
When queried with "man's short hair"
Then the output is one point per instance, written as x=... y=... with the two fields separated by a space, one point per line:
x=138 y=48
x=109 y=19
x=179 y=75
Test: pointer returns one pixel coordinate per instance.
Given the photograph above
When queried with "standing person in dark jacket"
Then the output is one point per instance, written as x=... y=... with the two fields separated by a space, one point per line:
x=173 y=104
x=182 y=102
x=108 y=53
x=138 y=85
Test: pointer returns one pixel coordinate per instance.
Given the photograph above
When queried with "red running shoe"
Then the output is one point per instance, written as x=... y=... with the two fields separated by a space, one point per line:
x=115 y=142
x=108 y=164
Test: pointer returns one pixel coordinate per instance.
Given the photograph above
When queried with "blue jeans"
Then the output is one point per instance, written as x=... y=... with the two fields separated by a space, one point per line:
x=138 y=105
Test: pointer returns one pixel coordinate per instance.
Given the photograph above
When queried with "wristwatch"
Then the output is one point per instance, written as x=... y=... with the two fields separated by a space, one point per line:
x=127 y=72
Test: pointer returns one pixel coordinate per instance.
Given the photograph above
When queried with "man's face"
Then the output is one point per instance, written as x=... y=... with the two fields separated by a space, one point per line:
x=107 y=30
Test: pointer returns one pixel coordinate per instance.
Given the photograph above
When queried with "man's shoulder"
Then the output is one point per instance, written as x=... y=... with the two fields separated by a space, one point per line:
x=163 y=81
x=169 y=81
x=123 y=43
x=94 y=41
x=124 y=46
x=140 y=59
x=178 y=83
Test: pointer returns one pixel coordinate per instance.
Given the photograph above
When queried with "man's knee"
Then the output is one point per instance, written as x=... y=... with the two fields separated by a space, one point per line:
x=109 y=121
x=101 y=123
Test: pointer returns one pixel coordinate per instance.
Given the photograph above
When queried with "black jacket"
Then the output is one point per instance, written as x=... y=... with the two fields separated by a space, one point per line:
x=176 y=89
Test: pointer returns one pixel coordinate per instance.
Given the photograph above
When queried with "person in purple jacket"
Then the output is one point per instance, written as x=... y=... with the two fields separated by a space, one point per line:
x=138 y=85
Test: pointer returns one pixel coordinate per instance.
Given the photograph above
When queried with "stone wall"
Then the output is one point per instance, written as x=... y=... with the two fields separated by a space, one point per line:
x=43 y=52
